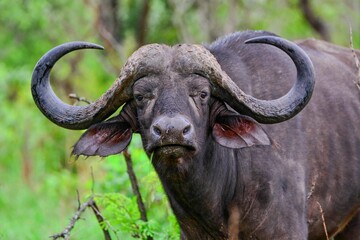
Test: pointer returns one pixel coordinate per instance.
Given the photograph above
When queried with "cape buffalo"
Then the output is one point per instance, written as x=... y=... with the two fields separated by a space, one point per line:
x=206 y=115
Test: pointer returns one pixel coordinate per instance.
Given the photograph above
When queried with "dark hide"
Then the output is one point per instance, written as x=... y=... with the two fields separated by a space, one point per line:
x=323 y=140
x=228 y=179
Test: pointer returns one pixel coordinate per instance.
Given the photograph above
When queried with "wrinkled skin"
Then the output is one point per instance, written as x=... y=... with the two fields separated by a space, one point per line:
x=226 y=176
x=189 y=97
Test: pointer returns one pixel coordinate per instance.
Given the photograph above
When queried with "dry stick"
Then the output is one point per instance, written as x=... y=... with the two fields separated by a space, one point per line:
x=81 y=208
x=100 y=219
x=357 y=62
x=96 y=210
x=66 y=233
x=89 y=203
x=135 y=185
x=323 y=220
x=79 y=99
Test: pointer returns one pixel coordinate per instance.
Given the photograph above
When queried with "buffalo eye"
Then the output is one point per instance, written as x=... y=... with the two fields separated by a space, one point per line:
x=138 y=97
x=204 y=95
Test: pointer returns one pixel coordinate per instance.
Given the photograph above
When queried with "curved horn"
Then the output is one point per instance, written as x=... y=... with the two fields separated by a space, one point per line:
x=81 y=117
x=263 y=111
x=296 y=99
x=286 y=107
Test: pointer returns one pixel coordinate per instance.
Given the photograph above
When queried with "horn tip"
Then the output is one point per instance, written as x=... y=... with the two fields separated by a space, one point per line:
x=261 y=39
x=92 y=45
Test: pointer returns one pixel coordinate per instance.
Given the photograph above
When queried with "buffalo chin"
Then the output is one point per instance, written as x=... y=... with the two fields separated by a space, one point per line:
x=172 y=161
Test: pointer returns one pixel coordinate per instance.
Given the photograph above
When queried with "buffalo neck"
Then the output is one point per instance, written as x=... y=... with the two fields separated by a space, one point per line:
x=201 y=190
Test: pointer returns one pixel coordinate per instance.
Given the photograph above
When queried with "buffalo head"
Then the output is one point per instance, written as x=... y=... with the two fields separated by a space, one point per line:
x=176 y=97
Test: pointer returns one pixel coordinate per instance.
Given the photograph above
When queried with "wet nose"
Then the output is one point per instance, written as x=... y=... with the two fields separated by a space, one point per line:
x=174 y=128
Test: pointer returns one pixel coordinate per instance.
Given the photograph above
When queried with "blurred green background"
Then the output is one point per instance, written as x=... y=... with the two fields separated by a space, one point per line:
x=38 y=178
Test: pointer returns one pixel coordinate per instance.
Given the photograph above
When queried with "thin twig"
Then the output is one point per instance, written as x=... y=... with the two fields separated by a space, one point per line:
x=92 y=180
x=78 y=99
x=323 y=220
x=66 y=233
x=100 y=219
x=82 y=207
x=78 y=198
x=313 y=185
x=357 y=62
x=135 y=186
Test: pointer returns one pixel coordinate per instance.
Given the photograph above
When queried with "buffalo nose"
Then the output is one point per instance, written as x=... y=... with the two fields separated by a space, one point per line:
x=176 y=128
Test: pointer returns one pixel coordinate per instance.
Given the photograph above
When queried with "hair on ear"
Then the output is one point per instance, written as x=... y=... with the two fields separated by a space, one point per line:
x=238 y=131
x=104 y=139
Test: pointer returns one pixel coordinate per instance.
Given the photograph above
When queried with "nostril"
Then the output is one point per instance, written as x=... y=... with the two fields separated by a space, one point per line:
x=157 y=130
x=186 y=129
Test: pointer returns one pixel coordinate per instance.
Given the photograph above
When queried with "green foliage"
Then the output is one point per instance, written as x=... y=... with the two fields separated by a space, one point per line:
x=38 y=178
x=122 y=212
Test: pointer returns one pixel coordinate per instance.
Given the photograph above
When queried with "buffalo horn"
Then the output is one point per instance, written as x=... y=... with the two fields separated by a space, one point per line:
x=81 y=117
x=264 y=111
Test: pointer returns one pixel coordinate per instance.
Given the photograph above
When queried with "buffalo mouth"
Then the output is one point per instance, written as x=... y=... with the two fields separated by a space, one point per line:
x=173 y=150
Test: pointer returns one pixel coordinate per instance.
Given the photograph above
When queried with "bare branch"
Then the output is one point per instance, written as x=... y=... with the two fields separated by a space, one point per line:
x=78 y=198
x=66 y=233
x=93 y=181
x=78 y=99
x=100 y=219
x=81 y=208
x=313 y=185
x=135 y=186
x=323 y=220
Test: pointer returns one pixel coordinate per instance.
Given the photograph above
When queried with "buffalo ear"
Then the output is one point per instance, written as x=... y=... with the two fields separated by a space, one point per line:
x=104 y=139
x=238 y=131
